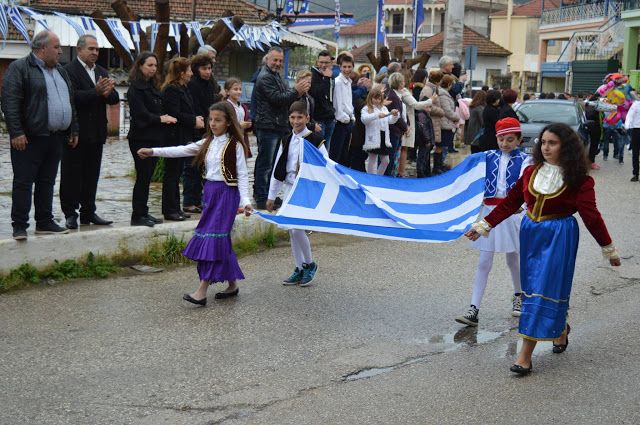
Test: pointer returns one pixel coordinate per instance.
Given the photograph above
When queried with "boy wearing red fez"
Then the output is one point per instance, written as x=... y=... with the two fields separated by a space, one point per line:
x=504 y=166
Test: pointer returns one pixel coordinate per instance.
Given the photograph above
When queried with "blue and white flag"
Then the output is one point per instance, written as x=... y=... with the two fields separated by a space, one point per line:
x=328 y=197
x=381 y=37
x=18 y=22
x=115 y=29
x=37 y=16
x=418 y=15
x=77 y=27
x=4 y=24
x=195 y=27
x=135 y=34
x=88 y=24
x=336 y=24
x=175 y=27
x=154 y=34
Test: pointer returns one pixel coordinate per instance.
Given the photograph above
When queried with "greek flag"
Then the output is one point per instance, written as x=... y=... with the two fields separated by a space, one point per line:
x=37 y=16
x=113 y=25
x=79 y=30
x=4 y=24
x=154 y=34
x=14 y=14
x=418 y=13
x=195 y=27
x=328 y=197
x=88 y=24
x=135 y=33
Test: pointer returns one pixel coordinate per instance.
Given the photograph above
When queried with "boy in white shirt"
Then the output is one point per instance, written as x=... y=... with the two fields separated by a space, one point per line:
x=284 y=173
x=343 y=105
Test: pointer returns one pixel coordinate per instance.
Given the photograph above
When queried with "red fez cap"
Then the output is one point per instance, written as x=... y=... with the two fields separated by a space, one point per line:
x=508 y=125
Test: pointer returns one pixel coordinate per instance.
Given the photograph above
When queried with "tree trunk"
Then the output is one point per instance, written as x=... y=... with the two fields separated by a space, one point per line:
x=100 y=21
x=220 y=34
x=127 y=15
x=160 y=48
x=184 y=41
x=421 y=60
x=380 y=61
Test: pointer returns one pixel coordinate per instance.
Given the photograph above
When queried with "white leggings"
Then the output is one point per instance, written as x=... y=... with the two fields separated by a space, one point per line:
x=373 y=159
x=301 y=247
x=484 y=267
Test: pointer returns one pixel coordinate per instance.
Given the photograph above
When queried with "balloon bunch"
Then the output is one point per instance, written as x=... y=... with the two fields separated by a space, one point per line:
x=616 y=97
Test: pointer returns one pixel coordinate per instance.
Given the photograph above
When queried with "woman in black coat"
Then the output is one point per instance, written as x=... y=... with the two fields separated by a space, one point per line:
x=490 y=117
x=146 y=128
x=177 y=101
x=509 y=97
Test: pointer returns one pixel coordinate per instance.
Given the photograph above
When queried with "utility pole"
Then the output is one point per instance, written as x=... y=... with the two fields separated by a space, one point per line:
x=453 y=29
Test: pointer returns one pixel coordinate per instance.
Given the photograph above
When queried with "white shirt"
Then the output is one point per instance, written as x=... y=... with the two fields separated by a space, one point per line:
x=548 y=179
x=501 y=185
x=633 y=116
x=296 y=149
x=213 y=162
x=91 y=71
x=239 y=111
x=342 y=100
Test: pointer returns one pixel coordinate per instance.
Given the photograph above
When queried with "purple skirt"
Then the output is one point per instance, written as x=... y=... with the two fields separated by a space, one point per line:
x=211 y=245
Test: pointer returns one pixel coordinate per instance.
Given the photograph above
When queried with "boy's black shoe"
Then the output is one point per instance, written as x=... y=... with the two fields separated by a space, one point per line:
x=50 y=228
x=20 y=234
x=634 y=178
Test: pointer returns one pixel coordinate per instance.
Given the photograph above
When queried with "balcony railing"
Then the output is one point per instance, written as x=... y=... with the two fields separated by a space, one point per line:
x=583 y=11
x=630 y=5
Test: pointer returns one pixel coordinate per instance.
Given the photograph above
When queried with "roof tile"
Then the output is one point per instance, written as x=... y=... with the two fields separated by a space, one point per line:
x=533 y=8
x=360 y=54
x=486 y=47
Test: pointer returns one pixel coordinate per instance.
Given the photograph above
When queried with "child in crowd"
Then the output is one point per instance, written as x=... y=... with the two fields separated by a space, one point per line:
x=222 y=153
x=343 y=105
x=284 y=173
x=554 y=188
x=233 y=88
x=504 y=167
x=302 y=76
x=376 y=119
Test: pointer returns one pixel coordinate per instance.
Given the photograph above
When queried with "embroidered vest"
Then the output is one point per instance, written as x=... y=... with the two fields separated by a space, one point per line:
x=280 y=172
x=228 y=167
x=513 y=170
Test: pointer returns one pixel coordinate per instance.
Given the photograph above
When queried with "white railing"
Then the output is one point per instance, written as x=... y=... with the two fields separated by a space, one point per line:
x=591 y=45
x=580 y=12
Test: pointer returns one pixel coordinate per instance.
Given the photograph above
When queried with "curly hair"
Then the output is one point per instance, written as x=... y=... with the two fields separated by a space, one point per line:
x=435 y=77
x=199 y=61
x=573 y=159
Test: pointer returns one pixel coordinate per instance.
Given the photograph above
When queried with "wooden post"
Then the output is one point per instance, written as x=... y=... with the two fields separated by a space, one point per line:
x=127 y=15
x=160 y=48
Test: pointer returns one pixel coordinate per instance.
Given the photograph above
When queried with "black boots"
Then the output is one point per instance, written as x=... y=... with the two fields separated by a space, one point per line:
x=438 y=166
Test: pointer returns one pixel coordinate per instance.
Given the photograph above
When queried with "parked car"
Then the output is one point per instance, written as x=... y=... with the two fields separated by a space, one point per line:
x=534 y=115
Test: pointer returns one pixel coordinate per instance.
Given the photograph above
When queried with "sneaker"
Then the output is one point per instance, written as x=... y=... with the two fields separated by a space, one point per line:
x=594 y=166
x=470 y=318
x=20 y=234
x=634 y=178
x=620 y=161
x=308 y=273
x=517 y=305
x=615 y=156
x=295 y=278
x=51 y=228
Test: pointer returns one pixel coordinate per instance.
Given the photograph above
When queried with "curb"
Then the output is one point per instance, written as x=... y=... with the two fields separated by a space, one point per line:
x=43 y=251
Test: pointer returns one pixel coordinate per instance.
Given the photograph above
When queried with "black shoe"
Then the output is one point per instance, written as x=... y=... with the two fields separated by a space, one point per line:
x=634 y=178
x=223 y=295
x=153 y=219
x=192 y=210
x=521 y=370
x=20 y=234
x=559 y=349
x=51 y=228
x=188 y=297
x=184 y=214
x=71 y=222
x=174 y=217
x=95 y=219
x=142 y=221
x=454 y=151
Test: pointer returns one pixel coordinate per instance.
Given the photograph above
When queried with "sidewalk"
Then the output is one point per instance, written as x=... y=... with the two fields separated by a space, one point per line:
x=113 y=203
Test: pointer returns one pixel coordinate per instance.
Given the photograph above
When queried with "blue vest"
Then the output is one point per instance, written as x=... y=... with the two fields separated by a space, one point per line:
x=513 y=170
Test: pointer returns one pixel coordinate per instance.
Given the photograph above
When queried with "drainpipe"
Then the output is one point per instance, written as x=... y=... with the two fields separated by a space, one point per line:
x=566 y=81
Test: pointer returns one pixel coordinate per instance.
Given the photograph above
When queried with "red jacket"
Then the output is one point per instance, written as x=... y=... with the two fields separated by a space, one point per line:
x=563 y=203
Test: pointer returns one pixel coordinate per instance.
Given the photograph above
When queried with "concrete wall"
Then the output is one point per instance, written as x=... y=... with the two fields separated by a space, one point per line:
x=521 y=41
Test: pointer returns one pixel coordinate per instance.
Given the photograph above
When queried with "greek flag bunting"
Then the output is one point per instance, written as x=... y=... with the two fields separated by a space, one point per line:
x=77 y=27
x=195 y=27
x=154 y=34
x=328 y=197
x=135 y=34
x=256 y=35
x=88 y=24
x=115 y=29
x=175 y=27
x=18 y=22
x=37 y=16
x=4 y=24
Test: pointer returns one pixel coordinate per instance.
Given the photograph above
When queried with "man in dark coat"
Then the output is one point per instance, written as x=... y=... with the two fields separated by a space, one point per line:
x=80 y=168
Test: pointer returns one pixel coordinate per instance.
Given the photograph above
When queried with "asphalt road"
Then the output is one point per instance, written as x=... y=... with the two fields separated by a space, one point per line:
x=372 y=341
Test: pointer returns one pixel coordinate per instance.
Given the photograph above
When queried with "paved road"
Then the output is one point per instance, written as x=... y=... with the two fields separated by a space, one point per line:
x=372 y=341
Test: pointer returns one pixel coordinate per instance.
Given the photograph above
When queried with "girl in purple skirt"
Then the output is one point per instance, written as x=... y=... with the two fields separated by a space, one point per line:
x=221 y=154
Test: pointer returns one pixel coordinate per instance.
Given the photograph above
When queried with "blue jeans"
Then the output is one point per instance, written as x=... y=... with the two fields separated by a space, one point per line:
x=267 y=144
x=340 y=143
x=192 y=184
x=446 y=142
x=327 y=132
x=616 y=140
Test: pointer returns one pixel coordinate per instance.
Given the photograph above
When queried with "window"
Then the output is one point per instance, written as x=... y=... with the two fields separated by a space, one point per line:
x=397 y=24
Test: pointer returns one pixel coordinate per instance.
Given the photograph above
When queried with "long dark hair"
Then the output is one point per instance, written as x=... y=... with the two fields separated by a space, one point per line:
x=573 y=159
x=136 y=75
x=479 y=99
x=235 y=132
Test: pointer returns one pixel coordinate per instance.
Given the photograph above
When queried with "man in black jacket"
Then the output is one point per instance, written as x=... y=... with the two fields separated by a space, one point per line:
x=37 y=101
x=322 y=85
x=273 y=99
x=80 y=167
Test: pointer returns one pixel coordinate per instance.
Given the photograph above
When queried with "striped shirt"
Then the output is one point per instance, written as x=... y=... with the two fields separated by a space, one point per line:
x=58 y=101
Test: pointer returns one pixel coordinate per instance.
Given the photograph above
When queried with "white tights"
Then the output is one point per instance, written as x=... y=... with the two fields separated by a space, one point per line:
x=484 y=267
x=301 y=247
x=371 y=164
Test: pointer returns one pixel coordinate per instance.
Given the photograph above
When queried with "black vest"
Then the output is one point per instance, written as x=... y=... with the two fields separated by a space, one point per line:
x=280 y=172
